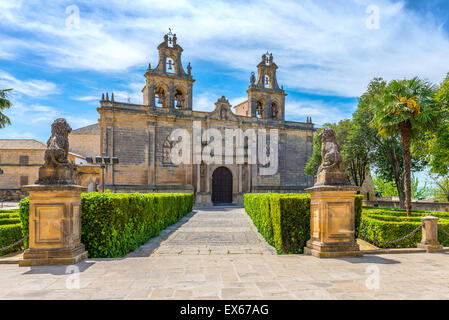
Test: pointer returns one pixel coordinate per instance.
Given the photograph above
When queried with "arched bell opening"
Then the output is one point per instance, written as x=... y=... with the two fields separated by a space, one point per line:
x=161 y=96
x=180 y=99
x=259 y=109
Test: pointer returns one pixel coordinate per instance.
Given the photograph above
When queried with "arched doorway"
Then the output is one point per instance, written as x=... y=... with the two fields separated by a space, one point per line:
x=222 y=186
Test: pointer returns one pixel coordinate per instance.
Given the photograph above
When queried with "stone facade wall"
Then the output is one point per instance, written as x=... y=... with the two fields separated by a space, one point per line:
x=137 y=135
x=85 y=144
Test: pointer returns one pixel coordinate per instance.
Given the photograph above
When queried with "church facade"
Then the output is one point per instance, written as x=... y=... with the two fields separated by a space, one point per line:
x=139 y=136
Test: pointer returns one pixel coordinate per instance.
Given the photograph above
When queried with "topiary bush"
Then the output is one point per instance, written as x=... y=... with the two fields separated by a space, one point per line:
x=10 y=230
x=282 y=219
x=387 y=224
x=24 y=213
x=257 y=206
x=358 y=205
x=290 y=216
x=114 y=224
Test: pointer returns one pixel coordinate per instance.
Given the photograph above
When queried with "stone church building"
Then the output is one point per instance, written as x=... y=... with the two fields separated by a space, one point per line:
x=138 y=135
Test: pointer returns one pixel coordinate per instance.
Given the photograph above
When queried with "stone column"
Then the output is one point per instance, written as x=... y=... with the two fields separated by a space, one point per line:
x=332 y=214
x=430 y=235
x=55 y=207
x=55 y=225
x=332 y=222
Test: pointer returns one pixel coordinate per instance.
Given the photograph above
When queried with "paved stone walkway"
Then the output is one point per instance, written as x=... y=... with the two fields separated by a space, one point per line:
x=191 y=261
x=209 y=231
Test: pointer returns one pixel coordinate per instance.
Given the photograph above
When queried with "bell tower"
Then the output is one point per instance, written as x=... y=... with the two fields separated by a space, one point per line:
x=168 y=85
x=265 y=99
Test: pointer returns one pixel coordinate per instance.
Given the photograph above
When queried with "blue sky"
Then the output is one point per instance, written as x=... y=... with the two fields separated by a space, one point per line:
x=325 y=52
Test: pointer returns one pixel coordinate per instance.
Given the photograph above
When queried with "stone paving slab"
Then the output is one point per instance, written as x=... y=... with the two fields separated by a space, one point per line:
x=246 y=276
x=158 y=271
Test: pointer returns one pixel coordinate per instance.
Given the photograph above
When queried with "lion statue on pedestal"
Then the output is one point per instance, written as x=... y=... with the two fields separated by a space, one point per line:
x=57 y=169
x=331 y=171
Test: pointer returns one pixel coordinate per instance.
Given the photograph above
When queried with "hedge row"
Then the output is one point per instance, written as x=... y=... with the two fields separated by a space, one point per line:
x=387 y=224
x=114 y=224
x=10 y=230
x=284 y=219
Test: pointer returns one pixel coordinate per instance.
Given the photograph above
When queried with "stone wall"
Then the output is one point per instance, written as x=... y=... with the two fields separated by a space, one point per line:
x=427 y=206
x=85 y=144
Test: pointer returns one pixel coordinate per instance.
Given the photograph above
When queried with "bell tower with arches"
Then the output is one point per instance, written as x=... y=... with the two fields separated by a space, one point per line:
x=168 y=85
x=265 y=99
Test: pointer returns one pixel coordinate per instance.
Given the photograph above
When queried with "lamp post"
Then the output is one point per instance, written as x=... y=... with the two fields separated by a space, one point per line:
x=103 y=162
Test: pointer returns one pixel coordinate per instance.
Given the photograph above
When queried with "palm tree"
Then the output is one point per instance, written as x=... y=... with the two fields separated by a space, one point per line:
x=4 y=104
x=406 y=107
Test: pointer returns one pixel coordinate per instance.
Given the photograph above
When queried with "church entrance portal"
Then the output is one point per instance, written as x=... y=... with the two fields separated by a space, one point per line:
x=222 y=186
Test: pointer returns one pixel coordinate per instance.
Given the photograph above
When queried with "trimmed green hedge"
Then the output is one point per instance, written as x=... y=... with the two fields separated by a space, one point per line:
x=358 y=205
x=290 y=216
x=10 y=230
x=114 y=224
x=257 y=206
x=24 y=213
x=387 y=224
x=283 y=219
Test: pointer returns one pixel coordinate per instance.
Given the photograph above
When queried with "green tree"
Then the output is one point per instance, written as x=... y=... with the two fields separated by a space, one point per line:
x=439 y=138
x=441 y=191
x=384 y=153
x=4 y=104
x=406 y=107
x=384 y=188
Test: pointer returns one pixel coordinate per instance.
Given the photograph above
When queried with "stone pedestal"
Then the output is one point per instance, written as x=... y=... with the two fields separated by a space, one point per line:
x=55 y=225
x=332 y=222
x=430 y=235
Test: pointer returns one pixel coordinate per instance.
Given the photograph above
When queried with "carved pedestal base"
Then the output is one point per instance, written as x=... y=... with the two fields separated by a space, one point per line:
x=332 y=222
x=44 y=257
x=55 y=175
x=55 y=225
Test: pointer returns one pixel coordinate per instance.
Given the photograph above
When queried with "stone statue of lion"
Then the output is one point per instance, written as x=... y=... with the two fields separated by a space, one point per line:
x=331 y=170
x=331 y=157
x=58 y=144
x=57 y=168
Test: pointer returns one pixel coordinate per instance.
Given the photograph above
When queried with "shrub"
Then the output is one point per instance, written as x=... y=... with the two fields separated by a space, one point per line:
x=257 y=206
x=282 y=219
x=115 y=224
x=10 y=233
x=358 y=205
x=387 y=224
x=24 y=213
x=290 y=216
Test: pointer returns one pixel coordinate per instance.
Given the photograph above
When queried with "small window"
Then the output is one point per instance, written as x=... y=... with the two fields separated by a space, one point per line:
x=23 y=180
x=23 y=160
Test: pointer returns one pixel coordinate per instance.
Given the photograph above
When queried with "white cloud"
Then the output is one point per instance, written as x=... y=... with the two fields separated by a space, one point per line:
x=32 y=88
x=320 y=47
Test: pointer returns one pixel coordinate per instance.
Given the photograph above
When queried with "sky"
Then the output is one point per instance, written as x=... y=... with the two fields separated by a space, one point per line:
x=60 y=56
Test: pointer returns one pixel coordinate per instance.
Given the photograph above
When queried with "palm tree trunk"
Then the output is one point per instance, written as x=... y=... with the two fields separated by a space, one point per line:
x=405 y=132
